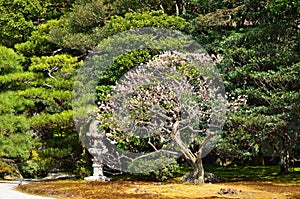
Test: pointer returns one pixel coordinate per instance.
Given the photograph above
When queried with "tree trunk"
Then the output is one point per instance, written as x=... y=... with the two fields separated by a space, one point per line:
x=198 y=172
x=180 y=7
x=259 y=159
x=197 y=175
x=284 y=163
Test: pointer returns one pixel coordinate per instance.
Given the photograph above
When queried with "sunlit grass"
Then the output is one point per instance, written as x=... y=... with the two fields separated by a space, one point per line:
x=129 y=189
x=295 y=169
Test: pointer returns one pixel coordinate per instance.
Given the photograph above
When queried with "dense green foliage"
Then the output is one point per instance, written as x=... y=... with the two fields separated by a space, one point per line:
x=19 y=18
x=42 y=43
x=261 y=65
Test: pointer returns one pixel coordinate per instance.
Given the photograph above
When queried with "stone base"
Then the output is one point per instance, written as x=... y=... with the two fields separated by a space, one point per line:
x=97 y=178
x=208 y=178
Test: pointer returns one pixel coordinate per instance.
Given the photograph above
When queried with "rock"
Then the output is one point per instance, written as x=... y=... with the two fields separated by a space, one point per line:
x=208 y=178
x=9 y=170
x=228 y=191
x=138 y=190
x=188 y=177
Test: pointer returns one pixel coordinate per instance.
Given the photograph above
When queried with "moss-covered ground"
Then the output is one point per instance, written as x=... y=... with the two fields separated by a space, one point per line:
x=244 y=182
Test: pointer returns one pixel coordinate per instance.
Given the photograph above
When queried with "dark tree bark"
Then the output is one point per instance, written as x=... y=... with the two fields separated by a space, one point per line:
x=259 y=158
x=284 y=163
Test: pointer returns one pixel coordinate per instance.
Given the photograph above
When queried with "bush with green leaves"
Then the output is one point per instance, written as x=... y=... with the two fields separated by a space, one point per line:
x=66 y=36
x=36 y=112
x=158 y=19
x=19 y=18
x=168 y=171
x=38 y=43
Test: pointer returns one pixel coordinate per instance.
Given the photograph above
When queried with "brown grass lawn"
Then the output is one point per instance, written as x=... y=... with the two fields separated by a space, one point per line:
x=128 y=189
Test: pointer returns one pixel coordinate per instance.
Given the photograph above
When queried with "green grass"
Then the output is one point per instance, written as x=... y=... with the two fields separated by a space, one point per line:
x=254 y=173
x=230 y=174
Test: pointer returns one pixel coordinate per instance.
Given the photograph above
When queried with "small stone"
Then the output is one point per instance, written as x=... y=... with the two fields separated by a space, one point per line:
x=228 y=191
x=138 y=190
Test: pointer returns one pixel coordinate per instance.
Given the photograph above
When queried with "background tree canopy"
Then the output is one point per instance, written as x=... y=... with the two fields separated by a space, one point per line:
x=43 y=43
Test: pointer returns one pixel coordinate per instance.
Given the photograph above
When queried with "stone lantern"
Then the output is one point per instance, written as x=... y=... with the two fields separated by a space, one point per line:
x=97 y=149
x=97 y=167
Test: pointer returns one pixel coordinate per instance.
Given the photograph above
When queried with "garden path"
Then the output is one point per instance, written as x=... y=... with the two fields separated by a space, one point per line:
x=7 y=191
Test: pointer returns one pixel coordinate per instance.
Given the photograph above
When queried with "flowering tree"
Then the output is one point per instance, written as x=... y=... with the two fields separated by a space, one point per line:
x=164 y=109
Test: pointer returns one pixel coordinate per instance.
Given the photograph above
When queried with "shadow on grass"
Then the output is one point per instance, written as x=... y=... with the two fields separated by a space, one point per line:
x=254 y=173
x=226 y=174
